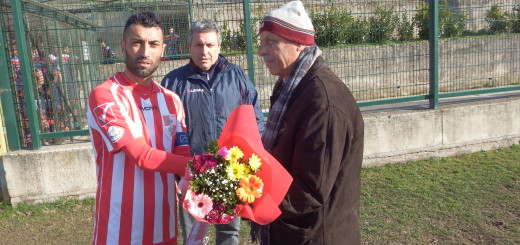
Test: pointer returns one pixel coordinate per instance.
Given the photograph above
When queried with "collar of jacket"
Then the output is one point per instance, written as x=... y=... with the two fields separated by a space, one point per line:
x=319 y=63
x=221 y=64
x=317 y=66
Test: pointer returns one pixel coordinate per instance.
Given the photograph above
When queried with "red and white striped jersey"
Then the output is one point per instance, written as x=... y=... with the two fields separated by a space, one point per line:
x=134 y=204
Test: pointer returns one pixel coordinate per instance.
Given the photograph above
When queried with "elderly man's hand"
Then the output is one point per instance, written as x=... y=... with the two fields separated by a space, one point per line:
x=183 y=184
x=182 y=187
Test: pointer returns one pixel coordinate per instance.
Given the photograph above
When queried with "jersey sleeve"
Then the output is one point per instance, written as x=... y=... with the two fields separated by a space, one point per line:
x=109 y=118
x=149 y=158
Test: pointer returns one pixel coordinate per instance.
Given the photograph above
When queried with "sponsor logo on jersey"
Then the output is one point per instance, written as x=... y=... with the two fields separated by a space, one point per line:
x=148 y=108
x=115 y=133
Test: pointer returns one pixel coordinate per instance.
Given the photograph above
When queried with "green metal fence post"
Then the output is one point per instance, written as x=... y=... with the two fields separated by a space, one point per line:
x=249 y=41
x=190 y=2
x=433 y=38
x=6 y=96
x=21 y=43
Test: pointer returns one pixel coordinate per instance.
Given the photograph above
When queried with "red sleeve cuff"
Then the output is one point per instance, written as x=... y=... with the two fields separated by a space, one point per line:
x=152 y=159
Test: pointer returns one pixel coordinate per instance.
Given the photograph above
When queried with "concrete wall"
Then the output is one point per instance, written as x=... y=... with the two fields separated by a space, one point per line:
x=69 y=170
x=446 y=131
x=49 y=173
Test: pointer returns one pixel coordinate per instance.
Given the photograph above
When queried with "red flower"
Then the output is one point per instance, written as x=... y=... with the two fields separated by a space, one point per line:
x=226 y=218
x=209 y=161
x=219 y=207
x=213 y=217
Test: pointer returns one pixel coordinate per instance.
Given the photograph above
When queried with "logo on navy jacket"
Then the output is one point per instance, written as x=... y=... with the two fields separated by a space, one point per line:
x=195 y=90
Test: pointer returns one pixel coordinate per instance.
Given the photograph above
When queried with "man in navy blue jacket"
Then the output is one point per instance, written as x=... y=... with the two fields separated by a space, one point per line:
x=210 y=88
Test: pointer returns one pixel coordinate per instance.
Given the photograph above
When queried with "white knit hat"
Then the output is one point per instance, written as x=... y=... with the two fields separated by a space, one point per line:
x=291 y=22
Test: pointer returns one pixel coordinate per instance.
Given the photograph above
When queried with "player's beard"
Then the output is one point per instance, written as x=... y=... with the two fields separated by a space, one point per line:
x=132 y=66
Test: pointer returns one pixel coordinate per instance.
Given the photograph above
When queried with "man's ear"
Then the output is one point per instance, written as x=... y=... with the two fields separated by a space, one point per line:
x=300 y=47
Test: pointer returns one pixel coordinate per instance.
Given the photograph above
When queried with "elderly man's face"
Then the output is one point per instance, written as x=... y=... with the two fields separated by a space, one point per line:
x=279 y=54
x=204 y=49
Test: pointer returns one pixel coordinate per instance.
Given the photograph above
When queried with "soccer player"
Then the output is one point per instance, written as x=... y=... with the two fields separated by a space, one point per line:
x=139 y=139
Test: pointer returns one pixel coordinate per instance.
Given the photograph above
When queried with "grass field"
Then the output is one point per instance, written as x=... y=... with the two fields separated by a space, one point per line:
x=469 y=199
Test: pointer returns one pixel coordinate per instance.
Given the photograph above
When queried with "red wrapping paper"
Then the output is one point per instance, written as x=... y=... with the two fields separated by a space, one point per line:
x=241 y=130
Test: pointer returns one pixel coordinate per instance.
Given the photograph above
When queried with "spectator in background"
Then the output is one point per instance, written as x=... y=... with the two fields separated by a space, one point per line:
x=139 y=137
x=315 y=130
x=172 y=46
x=43 y=104
x=18 y=83
x=210 y=88
x=57 y=96
x=67 y=68
x=69 y=85
x=20 y=95
x=108 y=54
x=44 y=78
x=16 y=68
x=63 y=92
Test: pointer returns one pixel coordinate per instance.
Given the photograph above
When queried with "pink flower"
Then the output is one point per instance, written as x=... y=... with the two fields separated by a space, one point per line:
x=223 y=152
x=197 y=205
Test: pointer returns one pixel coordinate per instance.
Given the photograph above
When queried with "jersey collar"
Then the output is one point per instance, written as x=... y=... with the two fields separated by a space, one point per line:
x=122 y=79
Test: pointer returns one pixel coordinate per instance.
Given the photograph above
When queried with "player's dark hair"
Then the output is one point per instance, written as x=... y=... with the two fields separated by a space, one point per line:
x=146 y=19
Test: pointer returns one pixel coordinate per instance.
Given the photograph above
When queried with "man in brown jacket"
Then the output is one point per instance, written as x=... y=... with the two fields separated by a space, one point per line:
x=315 y=129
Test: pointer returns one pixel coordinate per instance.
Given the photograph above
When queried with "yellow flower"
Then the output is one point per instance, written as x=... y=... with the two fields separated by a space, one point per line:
x=250 y=189
x=234 y=154
x=254 y=162
x=235 y=171
x=247 y=171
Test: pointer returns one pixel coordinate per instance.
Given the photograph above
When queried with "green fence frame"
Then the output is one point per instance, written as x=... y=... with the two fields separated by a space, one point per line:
x=28 y=83
x=9 y=115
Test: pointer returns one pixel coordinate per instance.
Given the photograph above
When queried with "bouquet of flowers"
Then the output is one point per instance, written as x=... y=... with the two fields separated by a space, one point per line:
x=222 y=181
x=235 y=177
